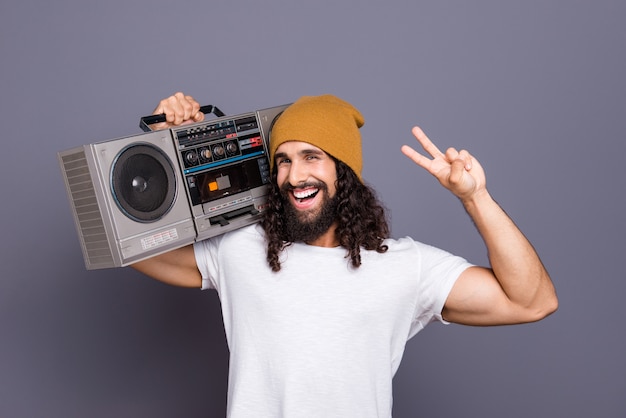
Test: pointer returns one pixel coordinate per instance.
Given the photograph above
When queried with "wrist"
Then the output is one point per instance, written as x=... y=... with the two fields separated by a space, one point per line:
x=477 y=199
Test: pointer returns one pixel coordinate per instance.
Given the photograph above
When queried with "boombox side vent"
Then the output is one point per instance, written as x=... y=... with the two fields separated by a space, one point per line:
x=87 y=215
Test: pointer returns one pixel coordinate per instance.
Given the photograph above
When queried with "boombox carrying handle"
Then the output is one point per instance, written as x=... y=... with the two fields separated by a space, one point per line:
x=152 y=119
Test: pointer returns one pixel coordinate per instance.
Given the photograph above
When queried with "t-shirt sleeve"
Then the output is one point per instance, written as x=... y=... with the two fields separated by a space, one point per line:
x=206 y=253
x=439 y=271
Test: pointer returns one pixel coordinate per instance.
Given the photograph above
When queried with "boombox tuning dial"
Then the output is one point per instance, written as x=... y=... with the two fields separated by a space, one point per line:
x=231 y=148
x=191 y=158
x=205 y=153
x=218 y=151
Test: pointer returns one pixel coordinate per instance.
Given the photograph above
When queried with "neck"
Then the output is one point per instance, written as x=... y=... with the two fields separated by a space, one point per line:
x=329 y=239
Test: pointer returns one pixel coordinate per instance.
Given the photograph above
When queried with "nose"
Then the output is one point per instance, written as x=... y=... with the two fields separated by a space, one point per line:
x=298 y=174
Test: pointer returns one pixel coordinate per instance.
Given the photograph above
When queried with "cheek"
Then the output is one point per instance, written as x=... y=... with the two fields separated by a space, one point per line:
x=328 y=175
x=332 y=189
x=281 y=176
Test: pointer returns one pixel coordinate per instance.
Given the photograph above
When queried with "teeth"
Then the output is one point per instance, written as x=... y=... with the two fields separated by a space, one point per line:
x=302 y=194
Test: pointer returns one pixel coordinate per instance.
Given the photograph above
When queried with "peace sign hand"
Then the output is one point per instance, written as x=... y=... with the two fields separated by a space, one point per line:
x=457 y=171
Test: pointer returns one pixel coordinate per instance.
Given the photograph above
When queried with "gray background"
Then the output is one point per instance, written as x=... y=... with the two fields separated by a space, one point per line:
x=535 y=89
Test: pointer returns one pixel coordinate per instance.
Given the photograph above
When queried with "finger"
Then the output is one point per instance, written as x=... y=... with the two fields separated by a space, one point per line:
x=181 y=107
x=425 y=142
x=171 y=109
x=161 y=107
x=194 y=113
x=466 y=158
x=174 y=108
x=417 y=158
x=457 y=171
x=188 y=106
x=198 y=117
x=452 y=154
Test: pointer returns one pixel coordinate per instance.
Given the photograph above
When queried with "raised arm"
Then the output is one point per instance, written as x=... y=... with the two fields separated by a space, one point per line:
x=516 y=288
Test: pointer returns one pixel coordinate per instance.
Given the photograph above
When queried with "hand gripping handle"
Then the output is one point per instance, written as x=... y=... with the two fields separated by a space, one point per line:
x=145 y=121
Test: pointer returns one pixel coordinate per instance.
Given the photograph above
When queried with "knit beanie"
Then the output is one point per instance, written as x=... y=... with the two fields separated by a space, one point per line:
x=327 y=122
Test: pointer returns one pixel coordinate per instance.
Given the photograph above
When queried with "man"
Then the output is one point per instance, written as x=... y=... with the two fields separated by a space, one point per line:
x=318 y=302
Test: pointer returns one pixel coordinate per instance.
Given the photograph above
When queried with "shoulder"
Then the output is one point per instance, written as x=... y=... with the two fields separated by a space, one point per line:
x=422 y=256
x=234 y=251
x=248 y=235
x=408 y=244
x=249 y=232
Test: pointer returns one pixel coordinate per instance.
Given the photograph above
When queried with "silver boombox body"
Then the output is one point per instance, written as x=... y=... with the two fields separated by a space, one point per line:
x=138 y=196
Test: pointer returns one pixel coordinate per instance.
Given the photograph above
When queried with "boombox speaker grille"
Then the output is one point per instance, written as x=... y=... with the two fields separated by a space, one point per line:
x=143 y=182
x=88 y=218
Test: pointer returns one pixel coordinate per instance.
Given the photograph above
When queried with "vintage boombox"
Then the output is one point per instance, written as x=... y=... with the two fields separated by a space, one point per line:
x=142 y=195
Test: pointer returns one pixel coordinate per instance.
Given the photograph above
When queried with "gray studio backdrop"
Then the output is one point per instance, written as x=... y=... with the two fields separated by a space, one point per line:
x=535 y=89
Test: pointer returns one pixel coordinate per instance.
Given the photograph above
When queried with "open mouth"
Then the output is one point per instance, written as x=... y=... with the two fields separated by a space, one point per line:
x=303 y=195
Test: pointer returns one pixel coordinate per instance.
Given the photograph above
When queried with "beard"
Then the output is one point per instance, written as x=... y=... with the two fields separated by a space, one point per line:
x=307 y=226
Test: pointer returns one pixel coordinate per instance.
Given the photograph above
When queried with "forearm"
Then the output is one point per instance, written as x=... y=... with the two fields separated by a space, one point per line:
x=514 y=261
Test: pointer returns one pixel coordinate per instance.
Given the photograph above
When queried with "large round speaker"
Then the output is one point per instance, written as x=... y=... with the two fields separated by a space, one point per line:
x=143 y=182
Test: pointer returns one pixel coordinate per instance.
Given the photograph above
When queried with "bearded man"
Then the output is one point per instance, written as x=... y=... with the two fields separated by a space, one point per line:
x=318 y=311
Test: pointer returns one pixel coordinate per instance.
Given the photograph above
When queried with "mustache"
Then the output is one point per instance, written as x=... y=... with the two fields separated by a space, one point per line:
x=287 y=187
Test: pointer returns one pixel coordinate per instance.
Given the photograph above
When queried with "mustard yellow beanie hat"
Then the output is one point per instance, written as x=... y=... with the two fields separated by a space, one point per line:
x=327 y=122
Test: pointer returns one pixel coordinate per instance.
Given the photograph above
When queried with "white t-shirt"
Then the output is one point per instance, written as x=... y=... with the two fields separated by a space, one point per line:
x=320 y=338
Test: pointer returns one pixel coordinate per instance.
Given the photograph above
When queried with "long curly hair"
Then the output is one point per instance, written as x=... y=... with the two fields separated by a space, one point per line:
x=361 y=218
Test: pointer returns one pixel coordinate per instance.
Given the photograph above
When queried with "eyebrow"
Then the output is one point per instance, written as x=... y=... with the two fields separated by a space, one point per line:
x=302 y=152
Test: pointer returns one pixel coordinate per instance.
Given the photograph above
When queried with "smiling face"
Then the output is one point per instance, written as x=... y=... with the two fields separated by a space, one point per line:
x=306 y=176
